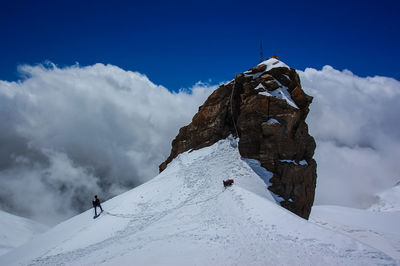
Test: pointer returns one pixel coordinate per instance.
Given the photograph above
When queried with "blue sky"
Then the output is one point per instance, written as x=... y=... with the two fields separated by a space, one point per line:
x=177 y=43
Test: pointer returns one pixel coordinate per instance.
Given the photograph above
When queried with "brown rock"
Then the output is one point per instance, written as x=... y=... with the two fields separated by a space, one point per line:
x=284 y=148
x=266 y=77
x=257 y=69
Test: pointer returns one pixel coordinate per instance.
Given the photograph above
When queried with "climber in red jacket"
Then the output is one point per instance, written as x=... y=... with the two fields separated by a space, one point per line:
x=228 y=183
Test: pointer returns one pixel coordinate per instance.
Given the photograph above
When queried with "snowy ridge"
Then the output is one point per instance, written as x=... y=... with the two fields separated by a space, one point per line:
x=377 y=229
x=388 y=201
x=185 y=217
x=15 y=231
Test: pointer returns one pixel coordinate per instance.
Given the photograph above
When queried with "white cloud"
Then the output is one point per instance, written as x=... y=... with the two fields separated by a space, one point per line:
x=69 y=133
x=90 y=130
x=355 y=123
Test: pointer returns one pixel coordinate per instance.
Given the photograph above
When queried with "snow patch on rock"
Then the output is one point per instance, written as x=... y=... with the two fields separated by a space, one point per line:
x=272 y=121
x=273 y=63
x=281 y=93
x=302 y=162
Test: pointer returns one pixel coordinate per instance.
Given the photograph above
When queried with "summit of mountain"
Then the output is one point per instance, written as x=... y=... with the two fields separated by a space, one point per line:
x=266 y=108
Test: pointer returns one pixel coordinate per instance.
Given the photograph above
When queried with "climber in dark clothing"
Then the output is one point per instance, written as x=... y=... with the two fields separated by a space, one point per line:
x=96 y=203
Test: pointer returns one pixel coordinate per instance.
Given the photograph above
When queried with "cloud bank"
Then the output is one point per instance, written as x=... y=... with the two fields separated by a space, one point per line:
x=356 y=125
x=69 y=133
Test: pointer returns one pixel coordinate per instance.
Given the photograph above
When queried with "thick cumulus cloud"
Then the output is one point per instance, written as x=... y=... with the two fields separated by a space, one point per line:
x=67 y=134
x=356 y=126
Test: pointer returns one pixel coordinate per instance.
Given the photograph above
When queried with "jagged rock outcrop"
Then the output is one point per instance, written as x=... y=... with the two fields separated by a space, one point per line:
x=266 y=108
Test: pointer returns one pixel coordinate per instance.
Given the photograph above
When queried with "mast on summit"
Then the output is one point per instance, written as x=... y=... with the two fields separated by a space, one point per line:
x=261 y=52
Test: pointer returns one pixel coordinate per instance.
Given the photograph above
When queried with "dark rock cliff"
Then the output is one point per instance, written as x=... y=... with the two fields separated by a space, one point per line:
x=266 y=108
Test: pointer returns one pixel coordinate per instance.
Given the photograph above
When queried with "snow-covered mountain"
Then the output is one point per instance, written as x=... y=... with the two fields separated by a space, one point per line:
x=15 y=231
x=388 y=200
x=184 y=216
x=380 y=230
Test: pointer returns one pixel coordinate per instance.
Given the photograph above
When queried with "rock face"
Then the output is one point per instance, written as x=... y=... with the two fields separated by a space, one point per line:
x=266 y=108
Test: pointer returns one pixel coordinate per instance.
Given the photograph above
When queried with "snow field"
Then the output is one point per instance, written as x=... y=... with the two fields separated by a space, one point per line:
x=380 y=230
x=388 y=200
x=15 y=231
x=184 y=216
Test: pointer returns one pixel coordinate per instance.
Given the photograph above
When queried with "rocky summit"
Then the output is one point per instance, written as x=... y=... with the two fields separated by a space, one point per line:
x=266 y=108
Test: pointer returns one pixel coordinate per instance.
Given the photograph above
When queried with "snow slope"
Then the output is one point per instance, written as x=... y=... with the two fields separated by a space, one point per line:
x=185 y=217
x=15 y=231
x=380 y=230
x=388 y=200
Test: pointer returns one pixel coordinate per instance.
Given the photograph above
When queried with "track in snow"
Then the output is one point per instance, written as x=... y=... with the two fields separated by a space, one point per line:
x=185 y=217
